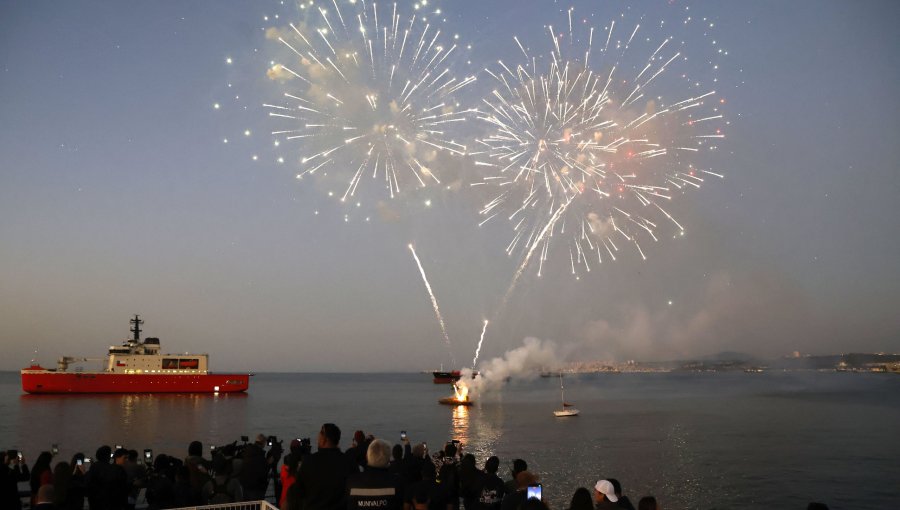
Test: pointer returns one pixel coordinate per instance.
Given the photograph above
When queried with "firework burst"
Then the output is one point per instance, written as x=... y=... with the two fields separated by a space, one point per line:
x=588 y=146
x=369 y=96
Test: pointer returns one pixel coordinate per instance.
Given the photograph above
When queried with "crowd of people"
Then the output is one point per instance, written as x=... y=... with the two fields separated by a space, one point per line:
x=369 y=475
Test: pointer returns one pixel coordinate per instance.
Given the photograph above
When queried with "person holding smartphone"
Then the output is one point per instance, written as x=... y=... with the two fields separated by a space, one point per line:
x=515 y=500
x=12 y=472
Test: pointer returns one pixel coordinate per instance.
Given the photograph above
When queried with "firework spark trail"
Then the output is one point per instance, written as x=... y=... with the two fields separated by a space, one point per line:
x=480 y=341
x=370 y=92
x=434 y=304
x=613 y=148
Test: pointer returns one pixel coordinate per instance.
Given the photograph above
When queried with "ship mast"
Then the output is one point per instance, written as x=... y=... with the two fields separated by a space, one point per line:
x=137 y=328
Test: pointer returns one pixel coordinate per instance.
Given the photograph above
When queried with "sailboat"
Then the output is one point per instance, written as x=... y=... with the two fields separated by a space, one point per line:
x=567 y=408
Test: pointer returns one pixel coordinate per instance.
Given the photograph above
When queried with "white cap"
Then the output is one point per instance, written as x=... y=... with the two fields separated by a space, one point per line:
x=606 y=488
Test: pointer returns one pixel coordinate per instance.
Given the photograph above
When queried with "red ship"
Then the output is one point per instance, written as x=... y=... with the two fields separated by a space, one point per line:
x=134 y=367
x=448 y=377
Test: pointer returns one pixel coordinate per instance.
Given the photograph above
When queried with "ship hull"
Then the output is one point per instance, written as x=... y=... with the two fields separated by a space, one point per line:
x=46 y=381
x=441 y=377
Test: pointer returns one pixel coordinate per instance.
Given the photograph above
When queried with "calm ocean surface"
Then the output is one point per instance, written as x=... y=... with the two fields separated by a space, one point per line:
x=712 y=440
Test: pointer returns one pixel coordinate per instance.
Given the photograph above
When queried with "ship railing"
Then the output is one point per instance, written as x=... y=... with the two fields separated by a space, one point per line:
x=243 y=505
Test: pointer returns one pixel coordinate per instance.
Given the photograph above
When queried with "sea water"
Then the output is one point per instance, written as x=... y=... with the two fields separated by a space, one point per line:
x=693 y=440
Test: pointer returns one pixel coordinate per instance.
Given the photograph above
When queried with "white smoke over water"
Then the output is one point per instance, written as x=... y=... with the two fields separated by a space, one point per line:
x=522 y=362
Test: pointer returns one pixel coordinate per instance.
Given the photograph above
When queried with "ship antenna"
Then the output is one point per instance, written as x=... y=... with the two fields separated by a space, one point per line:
x=137 y=328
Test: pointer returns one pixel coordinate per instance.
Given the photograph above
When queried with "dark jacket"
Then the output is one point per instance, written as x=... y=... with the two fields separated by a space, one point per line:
x=107 y=486
x=490 y=492
x=437 y=499
x=514 y=500
x=254 y=471
x=322 y=481
x=9 y=485
x=374 y=489
x=625 y=503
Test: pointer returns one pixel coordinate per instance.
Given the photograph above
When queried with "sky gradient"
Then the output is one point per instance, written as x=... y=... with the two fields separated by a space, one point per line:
x=118 y=196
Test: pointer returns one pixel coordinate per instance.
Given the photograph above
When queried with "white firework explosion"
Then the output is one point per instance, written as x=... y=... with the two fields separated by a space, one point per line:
x=590 y=150
x=370 y=96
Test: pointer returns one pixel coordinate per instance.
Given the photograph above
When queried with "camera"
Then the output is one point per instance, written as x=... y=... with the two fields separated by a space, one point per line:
x=19 y=455
x=245 y=438
x=403 y=435
x=455 y=442
x=148 y=454
x=533 y=491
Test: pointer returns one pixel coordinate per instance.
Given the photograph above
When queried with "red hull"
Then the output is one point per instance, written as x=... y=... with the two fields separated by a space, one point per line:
x=42 y=381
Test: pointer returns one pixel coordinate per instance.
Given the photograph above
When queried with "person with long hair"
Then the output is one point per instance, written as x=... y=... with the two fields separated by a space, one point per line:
x=62 y=480
x=76 y=490
x=581 y=500
x=648 y=503
x=41 y=474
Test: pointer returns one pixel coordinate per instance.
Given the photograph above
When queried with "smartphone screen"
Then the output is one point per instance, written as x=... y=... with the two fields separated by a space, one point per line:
x=533 y=491
x=79 y=462
x=402 y=435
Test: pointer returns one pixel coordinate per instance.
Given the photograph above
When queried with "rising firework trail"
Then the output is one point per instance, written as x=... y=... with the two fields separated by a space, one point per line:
x=369 y=99
x=434 y=304
x=588 y=145
x=480 y=341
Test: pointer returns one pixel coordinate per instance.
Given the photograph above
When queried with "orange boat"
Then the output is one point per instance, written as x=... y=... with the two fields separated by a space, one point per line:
x=134 y=367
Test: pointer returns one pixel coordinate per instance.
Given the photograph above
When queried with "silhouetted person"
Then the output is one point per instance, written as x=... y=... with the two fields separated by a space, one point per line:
x=518 y=466
x=41 y=474
x=581 y=500
x=107 y=484
x=322 y=480
x=254 y=470
x=515 y=500
x=469 y=481
x=648 y=503
x=491 y=487
x=427 y=493
x=623 y=502
x=12 y=472
x=376 y=487
x=605 y=495
x=160 y=488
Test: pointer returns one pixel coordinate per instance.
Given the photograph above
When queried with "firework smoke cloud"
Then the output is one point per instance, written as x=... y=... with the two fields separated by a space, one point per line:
x=522 y=362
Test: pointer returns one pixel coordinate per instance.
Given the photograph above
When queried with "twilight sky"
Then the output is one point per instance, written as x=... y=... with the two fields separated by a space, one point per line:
x=119 y=195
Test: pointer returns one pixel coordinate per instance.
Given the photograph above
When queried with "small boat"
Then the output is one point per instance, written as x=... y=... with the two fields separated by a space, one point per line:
x=460 y=396
x=453 y=401
x=567 y=408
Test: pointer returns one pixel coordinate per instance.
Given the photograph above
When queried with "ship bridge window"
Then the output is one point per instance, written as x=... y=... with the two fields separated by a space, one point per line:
x=189 y=363
x=170 y=363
